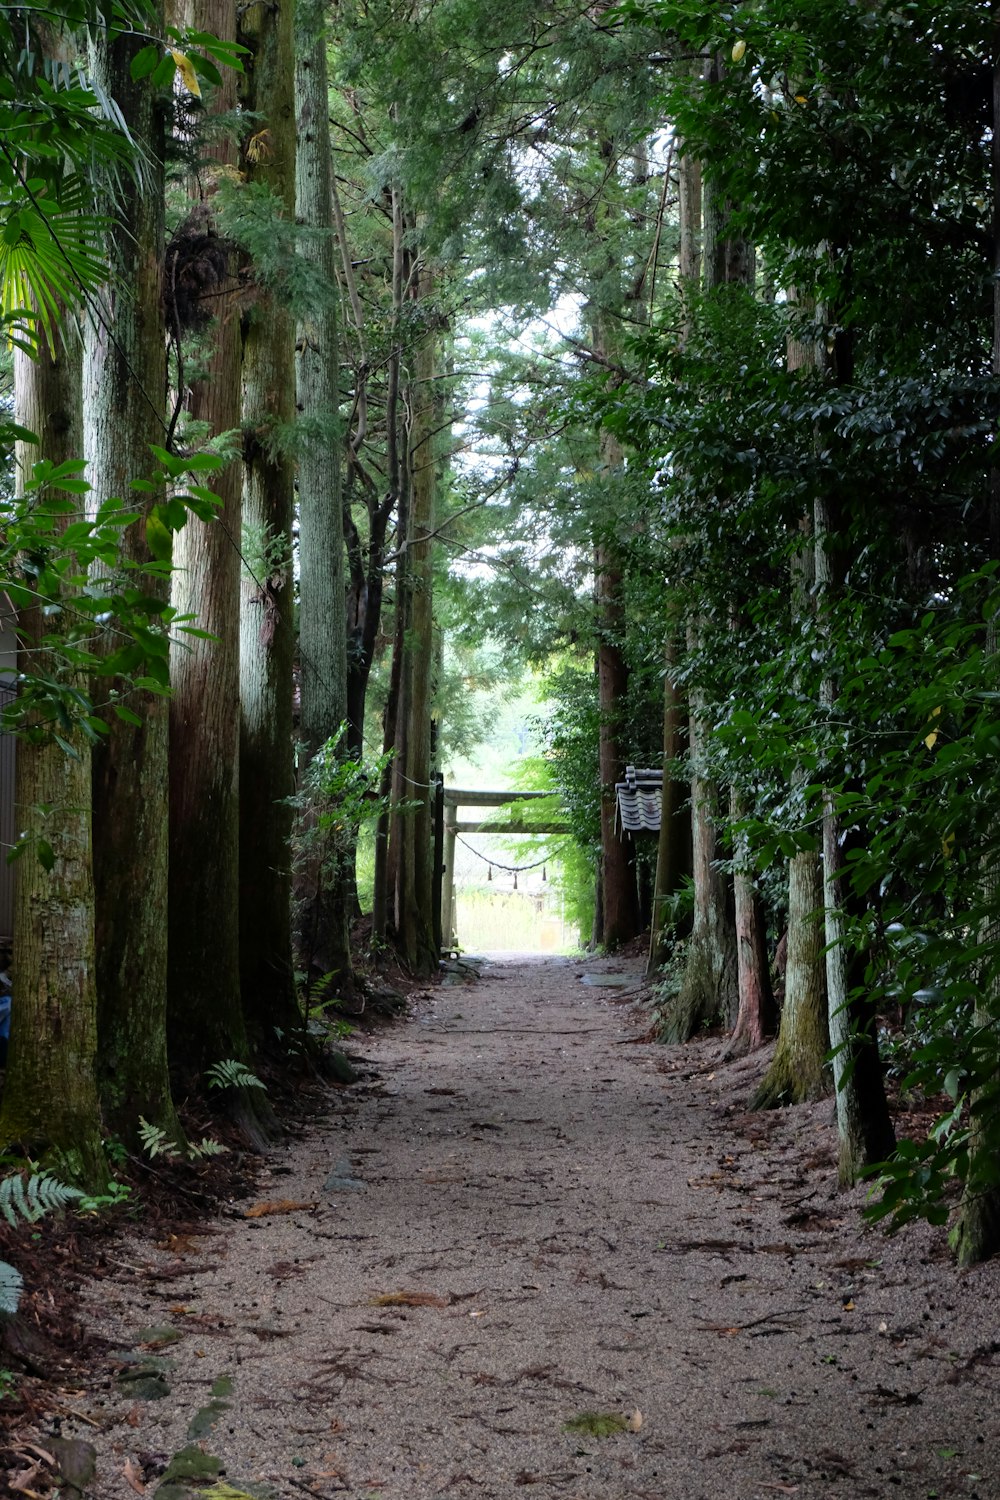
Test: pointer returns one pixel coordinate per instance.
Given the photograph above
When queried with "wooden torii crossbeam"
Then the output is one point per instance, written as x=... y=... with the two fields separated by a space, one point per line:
x=455 y=798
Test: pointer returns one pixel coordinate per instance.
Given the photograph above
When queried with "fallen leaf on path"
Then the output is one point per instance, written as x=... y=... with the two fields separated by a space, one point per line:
x=409 y=1299
x=133 y=1477
x=179 y=1244
x=23 y=1482
x=39 y=1453
x=635 y=1421
x=278 y=1206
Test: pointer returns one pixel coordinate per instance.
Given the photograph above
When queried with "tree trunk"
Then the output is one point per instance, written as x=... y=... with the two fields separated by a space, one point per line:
x=864 y=1125
x=125 y=402
x=709 y=992
x=620 y=899
x=803 y=1036
x=799 y=1070
x=206 y=1018
x=398 y=476
x=673 y=851
x=413 y=904
x=758 y=1014
x=267 y=616
x=50 y=1101
x=673 y=854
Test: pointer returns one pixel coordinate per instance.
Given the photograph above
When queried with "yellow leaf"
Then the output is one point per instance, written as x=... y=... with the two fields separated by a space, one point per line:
x=849 y=1305
x=947 y=845
x=258 y=146
x=935 y=713
x=185 y=68
x=739 y=50
x=930 y=740
x=801 y=99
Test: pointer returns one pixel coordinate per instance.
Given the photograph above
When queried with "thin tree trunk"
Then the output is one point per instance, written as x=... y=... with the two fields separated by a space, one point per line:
x=125 y=402
x=864 y=1125
x=50 y=1100
x=758 y=1015
x=799 y=1069
x=620 y=897
x=397 y=467
x=673 y=852
x=709 y=991
x=413 y=889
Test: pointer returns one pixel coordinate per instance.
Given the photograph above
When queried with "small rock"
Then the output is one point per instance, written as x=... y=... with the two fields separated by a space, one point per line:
x=77 y=1461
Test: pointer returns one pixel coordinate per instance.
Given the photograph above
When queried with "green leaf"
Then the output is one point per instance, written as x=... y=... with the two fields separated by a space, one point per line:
x=144 y=62
x=158 y=537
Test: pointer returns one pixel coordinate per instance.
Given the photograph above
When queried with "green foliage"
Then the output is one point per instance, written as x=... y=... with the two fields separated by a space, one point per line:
x=101 y=624
x=231 y=1074
x=849 y=143
x=28 y=1197
x=11 y=1287
x=116 y=1195
x=337 y=798
x=155 y=1141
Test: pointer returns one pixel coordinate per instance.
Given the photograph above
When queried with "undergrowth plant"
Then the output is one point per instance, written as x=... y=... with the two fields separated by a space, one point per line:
x=231 y=1074
x=156 y=1142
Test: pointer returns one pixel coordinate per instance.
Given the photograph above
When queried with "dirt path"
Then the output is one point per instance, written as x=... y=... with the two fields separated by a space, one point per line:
x=594 y=1226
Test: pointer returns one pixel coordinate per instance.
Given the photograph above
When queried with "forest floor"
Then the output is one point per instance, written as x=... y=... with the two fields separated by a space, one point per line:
x=532 y=1253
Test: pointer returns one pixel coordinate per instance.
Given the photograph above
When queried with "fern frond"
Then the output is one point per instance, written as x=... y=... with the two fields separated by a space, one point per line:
x=11 y=1286
x=30 y=1199
x=207 y=1147
x=155 y=1141
x=231 y=1074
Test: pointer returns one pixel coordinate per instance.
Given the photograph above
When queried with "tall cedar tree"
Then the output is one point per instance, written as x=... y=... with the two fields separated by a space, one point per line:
x=125 y=380
x=267 y=614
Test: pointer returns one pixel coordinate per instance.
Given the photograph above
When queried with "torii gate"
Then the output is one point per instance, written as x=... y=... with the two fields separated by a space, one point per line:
x=450 y=800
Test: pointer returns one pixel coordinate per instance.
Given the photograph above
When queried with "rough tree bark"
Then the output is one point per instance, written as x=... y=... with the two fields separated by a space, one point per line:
x=398 y=478
x=267 y=623
x=125 y=401
x=412 y=904
x=673 y=853
x=709 y=991
x=205 y=1017
x=799 y=1069
x=50 y=1101
x=757 y=1017
x=619 y=896
x=673 y=850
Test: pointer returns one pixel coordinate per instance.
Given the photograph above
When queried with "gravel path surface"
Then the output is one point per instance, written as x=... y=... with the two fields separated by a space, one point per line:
x=547 y=1259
